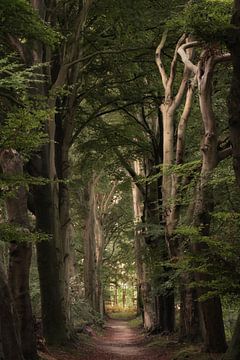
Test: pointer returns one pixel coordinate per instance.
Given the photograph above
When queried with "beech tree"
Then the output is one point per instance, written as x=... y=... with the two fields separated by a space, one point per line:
x=118 y=150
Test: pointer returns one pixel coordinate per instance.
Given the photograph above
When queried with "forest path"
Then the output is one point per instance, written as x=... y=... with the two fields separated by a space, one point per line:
x=119 y=341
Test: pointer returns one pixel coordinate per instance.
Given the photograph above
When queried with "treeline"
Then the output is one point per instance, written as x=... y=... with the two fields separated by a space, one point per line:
x=98 y=133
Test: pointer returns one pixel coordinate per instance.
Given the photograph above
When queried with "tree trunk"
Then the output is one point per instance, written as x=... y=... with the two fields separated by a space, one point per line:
x=173 y=147
x=145 y=296
x=189 y=328
x=210 y=309
x=10 y=344
x=116 y=295
x=233 y=352
x=124 y=296
x=20 y=256
x=52 y=297
x=90 y=270
x=63 y=138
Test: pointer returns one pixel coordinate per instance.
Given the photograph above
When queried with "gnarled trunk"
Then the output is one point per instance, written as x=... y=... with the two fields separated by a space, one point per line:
x=210 y=309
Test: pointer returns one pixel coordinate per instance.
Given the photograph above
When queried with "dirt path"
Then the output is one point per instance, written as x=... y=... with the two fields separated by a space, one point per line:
x=122 y=341
x=118 y=342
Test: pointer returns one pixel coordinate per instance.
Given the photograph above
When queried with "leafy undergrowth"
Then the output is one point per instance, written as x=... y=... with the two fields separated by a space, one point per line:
x=180 y=351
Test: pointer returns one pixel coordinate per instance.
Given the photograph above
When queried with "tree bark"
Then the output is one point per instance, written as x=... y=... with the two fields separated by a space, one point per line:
x=210 y=310
x=10 y=344
x=233 y=352
x=173 y=151
x=189 y=327
x=146 y=299
x=20 y=255
x=93 y=249
x=52 y=297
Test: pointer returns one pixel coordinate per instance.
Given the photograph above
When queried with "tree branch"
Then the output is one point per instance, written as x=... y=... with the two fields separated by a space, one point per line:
x=130 y=171
x=222 y=58
x=185 y=59
x=174 y=63
x=101 y=52
x=159 y=60
x=183 y=122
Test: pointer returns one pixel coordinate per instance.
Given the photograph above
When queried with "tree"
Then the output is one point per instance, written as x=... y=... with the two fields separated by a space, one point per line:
x=20 y=256
x=9 y=336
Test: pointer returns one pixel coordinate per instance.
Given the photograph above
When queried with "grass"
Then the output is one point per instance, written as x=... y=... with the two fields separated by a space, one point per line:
x=135 y=322
x=180 y=351
x=122 y=315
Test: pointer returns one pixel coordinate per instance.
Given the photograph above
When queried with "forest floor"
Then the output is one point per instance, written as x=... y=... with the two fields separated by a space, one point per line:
x=120 y=340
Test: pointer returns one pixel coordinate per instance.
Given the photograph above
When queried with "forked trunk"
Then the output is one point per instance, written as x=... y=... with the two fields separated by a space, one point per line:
x=210 y=309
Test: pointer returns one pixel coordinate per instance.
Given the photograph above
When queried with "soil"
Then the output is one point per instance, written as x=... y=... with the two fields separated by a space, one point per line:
x=118 y=342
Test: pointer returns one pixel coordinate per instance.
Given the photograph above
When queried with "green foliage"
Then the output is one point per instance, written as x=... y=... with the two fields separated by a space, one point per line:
x=83 y=314
x=27 y=23
x=10 y=232
x=208 y=20
x=22 y=130
x=16 y=78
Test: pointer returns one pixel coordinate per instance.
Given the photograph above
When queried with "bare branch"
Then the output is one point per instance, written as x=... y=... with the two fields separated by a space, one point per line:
x=109 y=197
x=174 y=63
x=183 y=122
x=159 y=60
x=222 y=58
x=185 y=59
